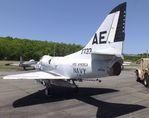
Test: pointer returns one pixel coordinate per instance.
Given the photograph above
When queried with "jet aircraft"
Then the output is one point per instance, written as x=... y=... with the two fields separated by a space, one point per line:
x=101 y=57
x=24 y=64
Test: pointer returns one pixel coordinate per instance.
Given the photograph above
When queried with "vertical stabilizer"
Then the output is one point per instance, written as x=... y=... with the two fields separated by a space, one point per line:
x=109 y=37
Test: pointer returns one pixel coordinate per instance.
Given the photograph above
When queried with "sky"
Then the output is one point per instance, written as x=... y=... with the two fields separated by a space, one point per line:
x=72 y=21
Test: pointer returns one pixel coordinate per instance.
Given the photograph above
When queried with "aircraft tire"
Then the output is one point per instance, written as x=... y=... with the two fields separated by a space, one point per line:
x=48 y=92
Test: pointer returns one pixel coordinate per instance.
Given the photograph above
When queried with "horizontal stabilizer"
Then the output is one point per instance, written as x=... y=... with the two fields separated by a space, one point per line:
x=106 y=54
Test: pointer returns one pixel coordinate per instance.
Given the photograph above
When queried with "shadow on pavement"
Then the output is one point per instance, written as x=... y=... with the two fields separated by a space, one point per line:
x=104 y=109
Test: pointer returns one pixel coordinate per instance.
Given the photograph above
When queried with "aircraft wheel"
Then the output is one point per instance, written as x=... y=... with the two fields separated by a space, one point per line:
x=48 y=92
x=146 y=80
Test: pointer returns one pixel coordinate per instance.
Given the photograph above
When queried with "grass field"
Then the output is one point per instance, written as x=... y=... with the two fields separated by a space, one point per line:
x=132 y=66
x=4 y=66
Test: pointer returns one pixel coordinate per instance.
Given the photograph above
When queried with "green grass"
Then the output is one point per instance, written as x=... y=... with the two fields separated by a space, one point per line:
x=4 y=67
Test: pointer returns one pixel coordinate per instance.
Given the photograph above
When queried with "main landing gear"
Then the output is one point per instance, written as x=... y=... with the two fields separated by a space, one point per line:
x=76 y=89
x=48 y=90
x=66 y=84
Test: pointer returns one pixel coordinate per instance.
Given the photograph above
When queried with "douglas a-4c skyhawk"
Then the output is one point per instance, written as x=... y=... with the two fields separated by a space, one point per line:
x=101 y=57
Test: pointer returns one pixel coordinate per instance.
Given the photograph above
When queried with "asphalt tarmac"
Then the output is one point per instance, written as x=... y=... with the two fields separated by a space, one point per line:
x=119 y=96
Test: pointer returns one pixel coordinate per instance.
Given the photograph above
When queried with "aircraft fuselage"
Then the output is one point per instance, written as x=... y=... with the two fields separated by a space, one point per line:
x=76 y=68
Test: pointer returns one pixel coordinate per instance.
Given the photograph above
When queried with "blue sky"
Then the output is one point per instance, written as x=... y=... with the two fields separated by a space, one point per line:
x=72 y=21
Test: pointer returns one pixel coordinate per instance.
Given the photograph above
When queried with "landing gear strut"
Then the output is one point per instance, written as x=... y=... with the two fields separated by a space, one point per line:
x=49 y=86
x=48 y=89
x=76 y=90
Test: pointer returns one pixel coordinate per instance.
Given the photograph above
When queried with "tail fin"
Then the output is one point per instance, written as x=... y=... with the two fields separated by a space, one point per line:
x=21 y=60
x=109 y=38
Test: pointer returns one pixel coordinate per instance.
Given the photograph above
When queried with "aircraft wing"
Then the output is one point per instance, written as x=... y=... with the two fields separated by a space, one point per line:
x=36 y=75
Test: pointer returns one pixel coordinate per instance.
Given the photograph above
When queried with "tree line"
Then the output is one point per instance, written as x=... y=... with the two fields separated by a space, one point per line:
x=136 y=57
x=13 y=48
